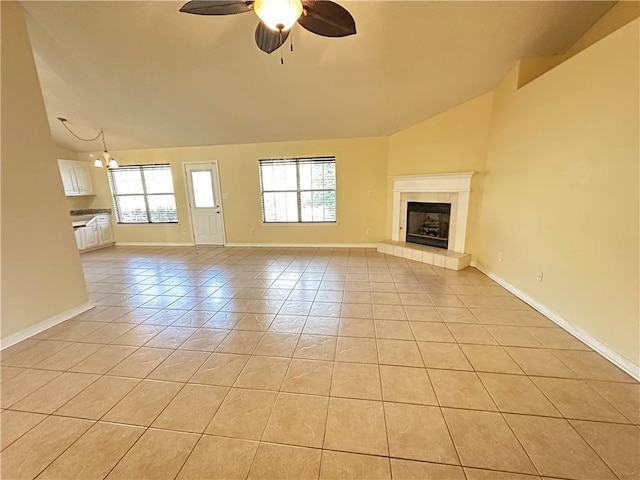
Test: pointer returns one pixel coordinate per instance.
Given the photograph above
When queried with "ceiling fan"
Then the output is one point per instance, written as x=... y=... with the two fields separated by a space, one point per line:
x=321 y=17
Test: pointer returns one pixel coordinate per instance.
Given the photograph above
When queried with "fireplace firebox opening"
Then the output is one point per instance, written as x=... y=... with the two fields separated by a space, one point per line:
x=428 y=223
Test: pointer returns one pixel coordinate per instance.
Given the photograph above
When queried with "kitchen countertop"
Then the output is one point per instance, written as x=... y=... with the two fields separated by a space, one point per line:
x=89 y=211
x=80 y=218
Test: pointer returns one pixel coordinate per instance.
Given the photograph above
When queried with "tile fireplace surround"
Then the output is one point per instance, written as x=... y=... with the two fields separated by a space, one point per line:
x=453 y=188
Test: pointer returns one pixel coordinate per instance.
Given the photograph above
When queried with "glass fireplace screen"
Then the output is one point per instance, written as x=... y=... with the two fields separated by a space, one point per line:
x=428 y=223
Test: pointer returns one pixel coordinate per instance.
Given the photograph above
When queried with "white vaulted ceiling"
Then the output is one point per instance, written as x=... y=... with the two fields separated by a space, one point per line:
x=154 y=77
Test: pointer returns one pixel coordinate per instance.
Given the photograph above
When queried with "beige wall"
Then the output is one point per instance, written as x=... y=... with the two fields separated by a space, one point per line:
x=454 y=141
x=361 y=170
x=562 y=189
x=41 y=272
x=620 y=14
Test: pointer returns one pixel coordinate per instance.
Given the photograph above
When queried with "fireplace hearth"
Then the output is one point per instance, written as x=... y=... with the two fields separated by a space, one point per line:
x=428 y=223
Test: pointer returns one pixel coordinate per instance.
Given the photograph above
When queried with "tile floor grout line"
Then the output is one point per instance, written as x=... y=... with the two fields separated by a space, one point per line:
x=27 y=431
x=34 y=390
x=146 y=429
x=204 y=430
x=569 y=419
x=573 y=427
x=326 y=415
x=94 y=422
x=513 y=432
x=384 y=412
x=444 y=418
x=584 y=382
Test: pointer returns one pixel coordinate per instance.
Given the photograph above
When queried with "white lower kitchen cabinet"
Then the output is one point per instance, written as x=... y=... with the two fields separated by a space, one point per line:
x=104 y=229
x=79 y=237
x=91 y=236
x=96 y=234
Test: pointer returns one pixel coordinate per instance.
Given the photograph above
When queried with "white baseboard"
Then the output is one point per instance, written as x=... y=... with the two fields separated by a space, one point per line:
x=43 y=325
x=153 y=244
x=99 y=247
x=272 y=245
x=578 y=332
x=305 y=245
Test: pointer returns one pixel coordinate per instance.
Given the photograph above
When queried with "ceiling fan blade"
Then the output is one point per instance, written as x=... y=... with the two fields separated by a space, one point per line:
x=269 y=41
x=326 y=18
x=217 y=7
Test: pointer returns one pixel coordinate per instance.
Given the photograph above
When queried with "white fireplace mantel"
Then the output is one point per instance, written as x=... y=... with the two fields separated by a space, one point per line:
x=456 y=184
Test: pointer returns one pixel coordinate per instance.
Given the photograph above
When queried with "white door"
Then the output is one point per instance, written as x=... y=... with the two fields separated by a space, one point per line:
x=205 y=204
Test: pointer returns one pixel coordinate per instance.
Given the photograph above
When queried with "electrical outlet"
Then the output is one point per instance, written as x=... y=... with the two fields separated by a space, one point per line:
x=539 y=276
x=369 y=193
x=368 y=231
x=500 y=256
x=252 y=232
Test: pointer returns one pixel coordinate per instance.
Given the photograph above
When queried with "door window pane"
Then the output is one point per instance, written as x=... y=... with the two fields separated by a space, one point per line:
x=202 y=189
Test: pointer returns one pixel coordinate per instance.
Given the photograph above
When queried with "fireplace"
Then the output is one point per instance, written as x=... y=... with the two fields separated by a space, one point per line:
x=428 y=223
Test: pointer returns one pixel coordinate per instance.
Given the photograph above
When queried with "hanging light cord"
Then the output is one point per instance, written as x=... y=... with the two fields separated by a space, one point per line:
x=110 y=162
x=100 y=133
x=104 y=144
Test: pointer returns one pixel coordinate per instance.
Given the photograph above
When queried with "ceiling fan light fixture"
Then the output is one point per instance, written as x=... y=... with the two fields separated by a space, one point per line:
x=278 y=15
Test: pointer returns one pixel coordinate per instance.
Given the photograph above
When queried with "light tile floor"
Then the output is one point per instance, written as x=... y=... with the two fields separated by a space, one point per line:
x=309 y=363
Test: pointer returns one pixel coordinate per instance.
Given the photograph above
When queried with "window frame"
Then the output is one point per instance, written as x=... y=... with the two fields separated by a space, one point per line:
x=144 y=193
x=298 y=191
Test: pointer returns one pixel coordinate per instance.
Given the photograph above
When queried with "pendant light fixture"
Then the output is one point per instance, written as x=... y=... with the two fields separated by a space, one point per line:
x=107 y=159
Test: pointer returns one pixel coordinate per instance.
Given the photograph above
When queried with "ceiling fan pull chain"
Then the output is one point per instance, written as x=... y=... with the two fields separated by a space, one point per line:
x=281 y=42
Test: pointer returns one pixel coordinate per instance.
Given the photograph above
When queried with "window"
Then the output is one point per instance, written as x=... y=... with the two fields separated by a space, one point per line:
x=143 y=194
x=299 y=190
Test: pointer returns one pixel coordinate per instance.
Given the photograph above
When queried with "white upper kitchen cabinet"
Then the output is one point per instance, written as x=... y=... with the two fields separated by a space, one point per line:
x=76 y=178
